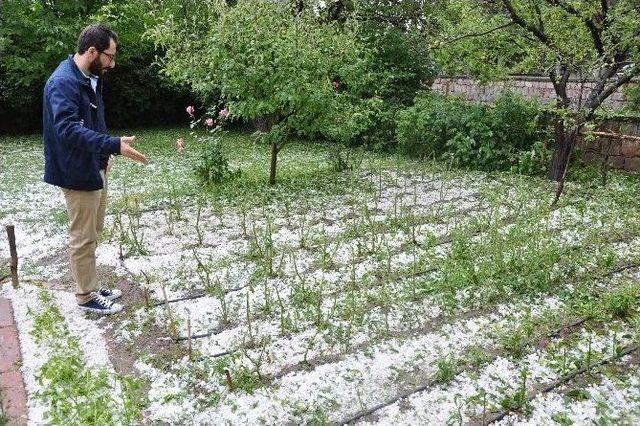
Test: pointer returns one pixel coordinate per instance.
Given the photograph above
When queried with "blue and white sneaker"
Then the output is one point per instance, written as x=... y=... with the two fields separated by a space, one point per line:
x=100 y=305
x=108 y=293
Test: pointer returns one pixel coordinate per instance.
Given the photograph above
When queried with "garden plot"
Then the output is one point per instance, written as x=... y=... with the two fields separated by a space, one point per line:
x=394 y=293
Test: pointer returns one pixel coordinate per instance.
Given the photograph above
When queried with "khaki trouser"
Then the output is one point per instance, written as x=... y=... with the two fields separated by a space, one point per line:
x=86 y=211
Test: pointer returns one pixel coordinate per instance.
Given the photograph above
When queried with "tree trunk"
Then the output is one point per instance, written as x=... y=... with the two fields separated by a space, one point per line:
x=561 y=159
x=274 y=161
x=565 y=141
x=561 y=152
x=559 y=77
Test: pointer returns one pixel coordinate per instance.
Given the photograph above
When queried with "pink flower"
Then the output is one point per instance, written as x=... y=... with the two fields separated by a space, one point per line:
x=224 y=113
x=336 y=85
x=180 y=144
x=191 y=110
x=209 y=122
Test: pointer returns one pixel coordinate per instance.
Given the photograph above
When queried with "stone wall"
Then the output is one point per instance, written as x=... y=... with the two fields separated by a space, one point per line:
x=529 y=86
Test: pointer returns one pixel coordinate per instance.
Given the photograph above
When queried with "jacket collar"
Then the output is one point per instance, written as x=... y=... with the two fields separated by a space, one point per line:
x=76 y=70
x=80 y=75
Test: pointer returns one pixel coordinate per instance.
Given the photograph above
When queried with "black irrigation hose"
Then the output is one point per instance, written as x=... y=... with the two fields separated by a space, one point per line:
x=433 y=382
x=386 y=403
x=216 y=355
x=499 y=416
x=622 y=268
x=441 y=241
x=179 y=299
x=194 y=296
x=216 y=330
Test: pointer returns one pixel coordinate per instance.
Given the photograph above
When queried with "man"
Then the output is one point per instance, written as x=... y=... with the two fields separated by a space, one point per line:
x=77 y=153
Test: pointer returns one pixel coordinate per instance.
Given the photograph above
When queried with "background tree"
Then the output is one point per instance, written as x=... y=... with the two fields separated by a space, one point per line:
x=36 y=35
x=270 y=61
x=401 y=64
x=597 y=39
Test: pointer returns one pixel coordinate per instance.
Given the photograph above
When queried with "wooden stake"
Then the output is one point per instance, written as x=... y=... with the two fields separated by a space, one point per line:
x=145 y=290
x=229 y=380
x=146 y=297
x=173 y=330
x=14 y=255
x=189 y=347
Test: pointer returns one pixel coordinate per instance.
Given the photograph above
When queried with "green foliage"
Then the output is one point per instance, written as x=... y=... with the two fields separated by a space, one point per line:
x=270 y=64
x=589 y=39
x=621 y=302
x=36 y=36
x=483 y=40
x=578 y=394
x=518 y=401
x=400 y=65
x=425 y=128
x=401 y=60
x=515 y=341
x=562 y=419
x=341 y=158
x=79 y=395
x=75 y=393
x=267 y=62
x=507 y=135
x=212 y=167
x=446 y=370
x=320 y=73
x=245 y=379
x=633 y=99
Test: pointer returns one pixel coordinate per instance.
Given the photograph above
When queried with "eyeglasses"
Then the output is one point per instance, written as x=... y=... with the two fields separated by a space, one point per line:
x=111 y=56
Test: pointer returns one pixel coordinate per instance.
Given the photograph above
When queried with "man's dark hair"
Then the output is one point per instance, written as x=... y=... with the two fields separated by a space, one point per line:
x=96 y=35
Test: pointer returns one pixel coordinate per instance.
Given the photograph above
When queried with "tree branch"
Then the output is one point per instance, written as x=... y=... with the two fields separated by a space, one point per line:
x=518 y=20
x=462 y=37
x=607 y=91
x=596 y=33
x=560 y=86
x=536 y=7
x=592 y=102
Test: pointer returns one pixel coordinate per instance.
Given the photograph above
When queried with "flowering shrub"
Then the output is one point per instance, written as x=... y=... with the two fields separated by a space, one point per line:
x=212 y=167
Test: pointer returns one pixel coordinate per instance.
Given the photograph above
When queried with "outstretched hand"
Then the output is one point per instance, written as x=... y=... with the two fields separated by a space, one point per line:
x=128 y=151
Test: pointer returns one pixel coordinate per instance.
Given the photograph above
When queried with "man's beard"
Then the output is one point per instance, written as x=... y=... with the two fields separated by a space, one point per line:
x=96 y=68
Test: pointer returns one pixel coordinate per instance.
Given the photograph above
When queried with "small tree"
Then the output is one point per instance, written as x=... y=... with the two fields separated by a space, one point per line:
x=273 y=62
x=596 y=39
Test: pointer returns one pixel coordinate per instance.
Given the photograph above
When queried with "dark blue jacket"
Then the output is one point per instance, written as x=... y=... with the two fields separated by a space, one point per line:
x=76 y=146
